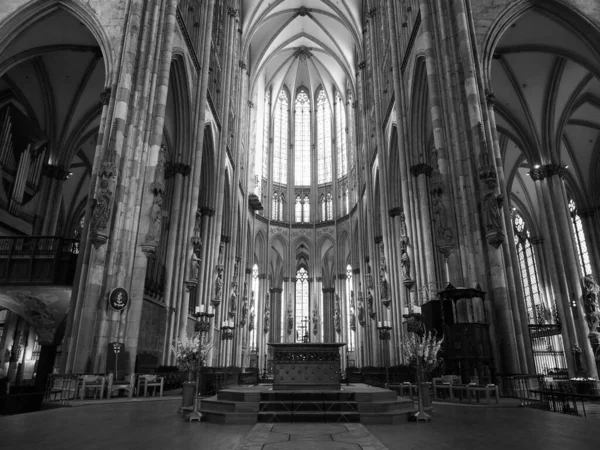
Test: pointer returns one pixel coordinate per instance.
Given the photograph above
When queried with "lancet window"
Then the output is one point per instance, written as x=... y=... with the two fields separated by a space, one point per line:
x=582 y=251
x=302 y=300
x=536 y=311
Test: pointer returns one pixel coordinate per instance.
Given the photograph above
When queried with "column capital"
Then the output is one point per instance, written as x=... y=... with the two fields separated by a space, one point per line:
x=286 y=279
x=105 y=96
x=275 y=290
x=378 y=239
x=328 y=290
x=242 y=64
x=393 y=212
x=421 y=169
x=248 y=270
x=537 y=173
x=225 y=239
x=539 y=240
x=176 y=168
x=342 y=276
x=490 y=98
x=207 y=211
x=362 y=65
x=262 y=276
x=555 y=169
x=232 y=12
x=56 y=172
x=356 y=271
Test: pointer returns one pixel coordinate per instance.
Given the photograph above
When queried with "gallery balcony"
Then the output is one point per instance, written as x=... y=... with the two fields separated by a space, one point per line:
x=38 y=260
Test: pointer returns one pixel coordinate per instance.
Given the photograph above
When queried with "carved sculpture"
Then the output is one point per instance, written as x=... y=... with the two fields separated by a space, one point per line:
x=361 y=306
x=315 y=322
x=102 y=206
x=491 y=204
x=290 y=322
x=219 y=285
x=370 y=304
x=195 y=268
x=252 y=312
x=267 y=324
x=405 y=265
x=337 y=323
x=590 y=303
x=383 y=287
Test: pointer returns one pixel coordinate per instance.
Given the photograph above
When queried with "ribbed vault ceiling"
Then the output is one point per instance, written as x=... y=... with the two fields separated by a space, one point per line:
x=303 y=42
x=546 y=80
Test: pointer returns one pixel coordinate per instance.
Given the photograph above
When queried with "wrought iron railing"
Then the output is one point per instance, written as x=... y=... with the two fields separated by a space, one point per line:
x=38 y=260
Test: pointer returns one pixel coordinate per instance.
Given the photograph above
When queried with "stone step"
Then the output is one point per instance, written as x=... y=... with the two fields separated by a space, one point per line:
x=382 y=407
x=309 y=406
x=307 y=396
x=227 y=417
x=308 y=416
x=216 y=405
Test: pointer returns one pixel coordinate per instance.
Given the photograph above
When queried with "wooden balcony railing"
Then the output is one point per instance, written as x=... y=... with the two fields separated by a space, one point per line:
x=38 y=260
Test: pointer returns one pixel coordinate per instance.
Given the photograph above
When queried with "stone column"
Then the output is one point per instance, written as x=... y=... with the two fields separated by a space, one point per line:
x=555 y=266
x=328 y=312
x=276 y=312
x=171 y=299
x=421 y=172
x=55 y=179
x=554 y=174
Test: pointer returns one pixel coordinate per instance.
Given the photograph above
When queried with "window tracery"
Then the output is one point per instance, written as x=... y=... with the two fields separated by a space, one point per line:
x=302 y=316
x=323 y=138
x=280 y=139
x=302 y=139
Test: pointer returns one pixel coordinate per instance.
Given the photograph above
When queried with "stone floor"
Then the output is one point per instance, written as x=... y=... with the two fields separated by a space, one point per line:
x=157 y=425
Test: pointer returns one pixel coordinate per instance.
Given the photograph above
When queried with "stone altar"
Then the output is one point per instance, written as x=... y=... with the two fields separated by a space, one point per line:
x=306 y=366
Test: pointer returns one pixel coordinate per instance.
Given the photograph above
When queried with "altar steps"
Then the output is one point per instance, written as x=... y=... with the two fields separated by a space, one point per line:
x=359 y=403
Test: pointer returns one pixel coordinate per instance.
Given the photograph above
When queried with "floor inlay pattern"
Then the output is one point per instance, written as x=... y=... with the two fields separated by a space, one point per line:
x=296 y=436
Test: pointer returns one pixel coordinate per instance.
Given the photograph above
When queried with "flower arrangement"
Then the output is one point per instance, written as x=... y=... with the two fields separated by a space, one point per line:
x=421 y=352
x=186 y=352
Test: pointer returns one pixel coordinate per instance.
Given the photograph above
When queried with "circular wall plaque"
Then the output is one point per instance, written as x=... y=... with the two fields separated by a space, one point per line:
x=118 y=299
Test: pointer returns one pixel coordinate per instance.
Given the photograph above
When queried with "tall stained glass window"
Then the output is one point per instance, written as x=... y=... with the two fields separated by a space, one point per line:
x=340 y=136
x=262 y=164
x=323 y=138
x=582 y=251
x=280 y=138
x=302 y=317
x=536 y=312
x=302 y=139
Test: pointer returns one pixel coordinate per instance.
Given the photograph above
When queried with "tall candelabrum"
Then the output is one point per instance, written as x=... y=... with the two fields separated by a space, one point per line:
x=385 y=334
x=202 y=327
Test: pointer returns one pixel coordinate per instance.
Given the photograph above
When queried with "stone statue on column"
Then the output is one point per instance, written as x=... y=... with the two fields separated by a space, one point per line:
x=156 y=211
x=244 y=305
x=405 y=265
x=337 y=322
x=592 y=312
x=352 y=312
x=361 y=306
x=252 y=312
x=233 y=300
x=219 y=286
x=104 y=198
x=315 y=322
x=267 y=316
x=290 y=320
x=371 y=311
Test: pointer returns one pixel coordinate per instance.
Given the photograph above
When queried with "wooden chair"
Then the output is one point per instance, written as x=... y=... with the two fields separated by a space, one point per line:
x=153 y=381
x=95 y=383
x=127 y=385
x=63 y=388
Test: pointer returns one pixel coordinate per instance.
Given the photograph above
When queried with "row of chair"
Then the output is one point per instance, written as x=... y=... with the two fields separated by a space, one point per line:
x=99 y=385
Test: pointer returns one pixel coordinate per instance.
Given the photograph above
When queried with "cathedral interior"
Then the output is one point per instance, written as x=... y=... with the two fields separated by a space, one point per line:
x=308 y=171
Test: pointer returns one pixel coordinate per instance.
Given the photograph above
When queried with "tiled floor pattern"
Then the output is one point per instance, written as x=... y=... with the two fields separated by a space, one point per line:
x=297 y=436
x=150 y=425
